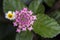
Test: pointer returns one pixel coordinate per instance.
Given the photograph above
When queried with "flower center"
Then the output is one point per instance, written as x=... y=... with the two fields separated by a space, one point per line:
x=23 y=19
x=10 y=15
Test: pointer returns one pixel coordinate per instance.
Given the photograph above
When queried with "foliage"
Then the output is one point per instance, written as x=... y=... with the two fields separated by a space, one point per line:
x=24 y=36
x=47 y=26
x=49 y=2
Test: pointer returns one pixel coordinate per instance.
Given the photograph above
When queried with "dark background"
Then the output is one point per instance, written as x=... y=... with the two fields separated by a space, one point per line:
x=7 y=31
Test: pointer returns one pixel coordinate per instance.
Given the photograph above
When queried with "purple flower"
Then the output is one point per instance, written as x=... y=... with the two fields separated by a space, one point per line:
x=24 y=20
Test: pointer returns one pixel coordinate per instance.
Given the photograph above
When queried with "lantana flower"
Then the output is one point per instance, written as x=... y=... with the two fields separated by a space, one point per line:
x=10 y=15
x=24 y=20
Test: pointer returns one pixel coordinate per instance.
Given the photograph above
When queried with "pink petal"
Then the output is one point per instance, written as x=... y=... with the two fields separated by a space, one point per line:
x=30 y=12
x=20 y=14
x=17 y=20
x=22 y=11
x=24 y=29
x=17 y=12
x=18 y=30
x=28 y=25
x=19 y=26
x=32 y=22
x=25 y=9
x=30 y=28
x=14 y=23
x=34 y=17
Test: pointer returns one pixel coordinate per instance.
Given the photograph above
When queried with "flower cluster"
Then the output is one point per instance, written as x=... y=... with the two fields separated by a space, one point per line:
x=23 y=19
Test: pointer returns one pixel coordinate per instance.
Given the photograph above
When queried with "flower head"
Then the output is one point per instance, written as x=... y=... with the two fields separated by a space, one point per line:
x=24 y=20
x=10 y=15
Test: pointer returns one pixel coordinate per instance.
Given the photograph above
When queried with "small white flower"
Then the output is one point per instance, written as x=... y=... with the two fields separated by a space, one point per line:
x=10 y=15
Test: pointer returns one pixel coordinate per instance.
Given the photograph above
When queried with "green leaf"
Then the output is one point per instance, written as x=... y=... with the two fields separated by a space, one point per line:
x=36 y=5
x=46 y=27
x=12 y=5
x=49 y=2
x=55 y=15
x=40 y=9
x=24 y=36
